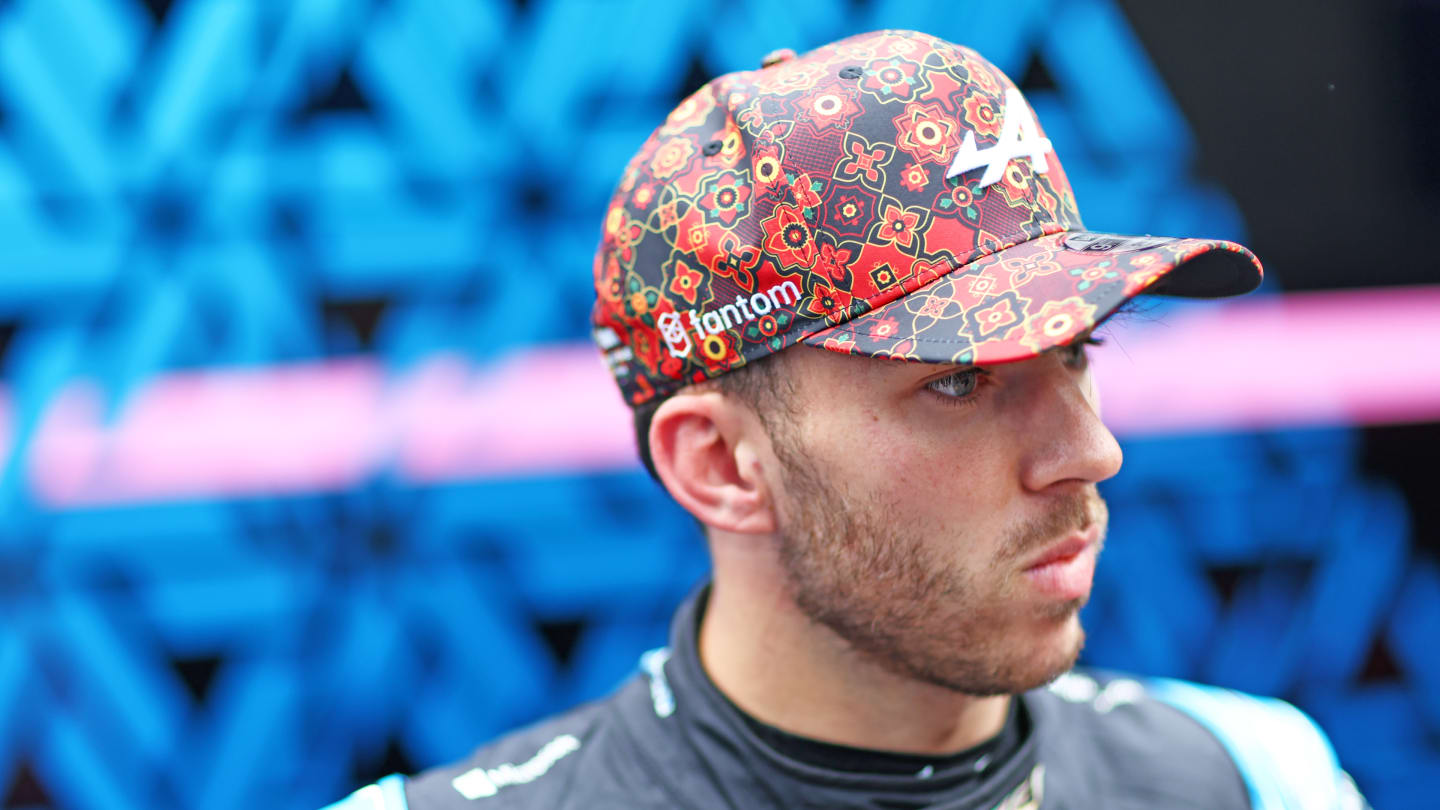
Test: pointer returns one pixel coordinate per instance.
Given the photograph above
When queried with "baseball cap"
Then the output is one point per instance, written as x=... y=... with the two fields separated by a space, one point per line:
x=888 y=195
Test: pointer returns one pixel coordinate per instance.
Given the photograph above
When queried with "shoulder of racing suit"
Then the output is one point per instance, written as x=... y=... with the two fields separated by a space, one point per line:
x=567 y=761
x=1266 y=749
x=1104 y=740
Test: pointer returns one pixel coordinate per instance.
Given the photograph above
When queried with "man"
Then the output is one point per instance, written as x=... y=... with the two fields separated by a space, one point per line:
x=900 y=549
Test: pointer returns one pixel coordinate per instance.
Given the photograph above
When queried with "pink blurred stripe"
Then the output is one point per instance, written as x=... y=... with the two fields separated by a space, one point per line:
x=326 y=426
x=551 y=409
x=274 y=430
x=1303 y=359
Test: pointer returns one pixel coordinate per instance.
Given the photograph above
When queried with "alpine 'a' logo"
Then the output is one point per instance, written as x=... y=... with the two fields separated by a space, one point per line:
x=1018 y=136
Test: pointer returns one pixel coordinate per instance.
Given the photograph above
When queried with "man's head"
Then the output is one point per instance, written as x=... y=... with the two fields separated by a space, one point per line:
x=909 y=506
x=886 y=198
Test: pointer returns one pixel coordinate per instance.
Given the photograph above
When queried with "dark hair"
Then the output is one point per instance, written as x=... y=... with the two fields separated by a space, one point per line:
x=758 y=384
x=641 y=417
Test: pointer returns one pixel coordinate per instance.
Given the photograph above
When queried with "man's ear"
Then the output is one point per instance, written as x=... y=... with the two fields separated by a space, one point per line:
x=705 y=450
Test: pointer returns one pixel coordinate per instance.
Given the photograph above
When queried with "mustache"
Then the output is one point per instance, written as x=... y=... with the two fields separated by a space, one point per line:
x=1072 y=513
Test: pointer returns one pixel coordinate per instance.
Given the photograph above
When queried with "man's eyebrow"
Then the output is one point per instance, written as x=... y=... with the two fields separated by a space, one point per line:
x=938 y=371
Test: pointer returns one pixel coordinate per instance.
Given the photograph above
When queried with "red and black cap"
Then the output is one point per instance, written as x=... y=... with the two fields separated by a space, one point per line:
x=890 y=194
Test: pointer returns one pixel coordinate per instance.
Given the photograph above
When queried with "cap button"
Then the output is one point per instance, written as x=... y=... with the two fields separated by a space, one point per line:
x=775 y=57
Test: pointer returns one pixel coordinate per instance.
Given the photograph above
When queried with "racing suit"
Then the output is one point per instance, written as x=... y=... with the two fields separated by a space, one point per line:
x=669 y=739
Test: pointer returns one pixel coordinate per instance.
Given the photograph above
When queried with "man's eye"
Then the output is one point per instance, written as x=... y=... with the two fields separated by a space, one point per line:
x=1074 y=354
x=959 y=385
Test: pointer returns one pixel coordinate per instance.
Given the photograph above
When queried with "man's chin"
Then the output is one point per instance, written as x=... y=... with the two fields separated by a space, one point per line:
x=1052 y=626
x=1066 y=650
x=1035 y=662
x=1052 y=654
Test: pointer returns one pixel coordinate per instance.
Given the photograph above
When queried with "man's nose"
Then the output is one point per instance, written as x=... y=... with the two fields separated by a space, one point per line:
x=1067 y=445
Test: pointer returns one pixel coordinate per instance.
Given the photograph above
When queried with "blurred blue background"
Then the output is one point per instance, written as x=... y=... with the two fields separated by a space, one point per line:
x=225 y=185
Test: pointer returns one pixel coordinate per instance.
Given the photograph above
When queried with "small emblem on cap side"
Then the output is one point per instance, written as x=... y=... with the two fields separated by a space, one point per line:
x=1111 y=243
x=674 y=333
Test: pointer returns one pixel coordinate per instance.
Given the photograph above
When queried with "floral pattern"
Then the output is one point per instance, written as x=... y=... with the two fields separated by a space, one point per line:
x=927 y=133
x=788 y=238
x=807 y=201
x=975 y=316
x=725 y=197
x=1057 y=322
x=864 y=161
x=825 y=301
x=685 y=281
x=849 y=210
x=671 y=158
x=914 y=178
x=894 y=77
x=982 y=113
x=831 y=108
x=897 y=225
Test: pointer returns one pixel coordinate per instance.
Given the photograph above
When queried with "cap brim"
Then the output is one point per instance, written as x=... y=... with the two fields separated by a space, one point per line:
x=1018 y=302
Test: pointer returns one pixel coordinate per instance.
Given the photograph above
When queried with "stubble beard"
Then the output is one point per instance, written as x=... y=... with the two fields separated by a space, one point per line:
x=877 y=585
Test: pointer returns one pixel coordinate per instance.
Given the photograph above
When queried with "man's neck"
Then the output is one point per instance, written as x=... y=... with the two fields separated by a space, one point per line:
x=799 y=676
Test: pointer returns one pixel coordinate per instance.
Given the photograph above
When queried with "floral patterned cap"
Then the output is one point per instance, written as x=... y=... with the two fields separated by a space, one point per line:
x=890 y=194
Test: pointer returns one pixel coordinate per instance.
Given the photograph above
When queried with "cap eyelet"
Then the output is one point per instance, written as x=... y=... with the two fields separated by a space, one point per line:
x=712 y=148
x=852 y=72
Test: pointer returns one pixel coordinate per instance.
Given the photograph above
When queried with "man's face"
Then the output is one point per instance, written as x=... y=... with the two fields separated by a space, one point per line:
x=944 y=522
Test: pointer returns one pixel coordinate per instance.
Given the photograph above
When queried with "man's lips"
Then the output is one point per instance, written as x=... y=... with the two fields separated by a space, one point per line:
x=1066 y=569
x=1073 y=544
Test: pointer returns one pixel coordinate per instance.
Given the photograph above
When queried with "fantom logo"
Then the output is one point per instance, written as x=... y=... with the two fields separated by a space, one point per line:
x=706 y=326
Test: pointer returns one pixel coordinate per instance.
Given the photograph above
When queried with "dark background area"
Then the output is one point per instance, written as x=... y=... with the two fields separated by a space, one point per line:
x=1321 y=120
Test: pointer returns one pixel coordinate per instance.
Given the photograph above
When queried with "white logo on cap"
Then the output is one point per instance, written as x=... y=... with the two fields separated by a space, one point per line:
x=1018 y=136
x=727 y=316
x=674 y=333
